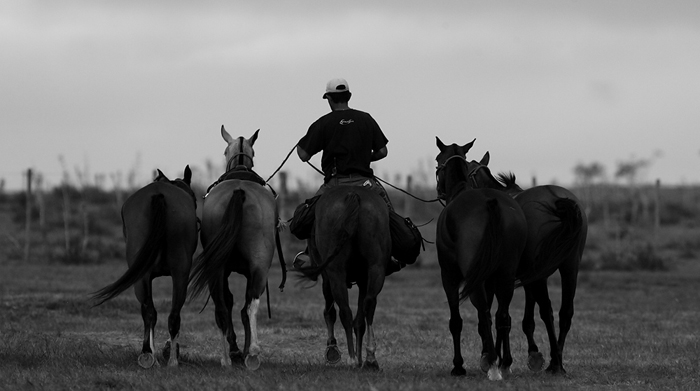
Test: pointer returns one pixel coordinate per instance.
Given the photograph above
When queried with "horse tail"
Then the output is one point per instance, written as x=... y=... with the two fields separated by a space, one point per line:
x=346 y=226
x=146 y=256
x=489 y=250
x=211 y=263
x=560 y=244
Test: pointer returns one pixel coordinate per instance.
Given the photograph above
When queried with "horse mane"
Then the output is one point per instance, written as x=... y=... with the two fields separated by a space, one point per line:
x=507 y=179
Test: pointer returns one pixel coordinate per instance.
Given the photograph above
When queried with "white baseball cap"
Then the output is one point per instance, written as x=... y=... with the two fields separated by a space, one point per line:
x=336 y=85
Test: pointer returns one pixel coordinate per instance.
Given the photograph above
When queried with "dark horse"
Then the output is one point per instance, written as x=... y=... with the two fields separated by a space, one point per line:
x=557 y=230
x=239 y=233
x=480 y=237
x=350 y=242
x=160 y=228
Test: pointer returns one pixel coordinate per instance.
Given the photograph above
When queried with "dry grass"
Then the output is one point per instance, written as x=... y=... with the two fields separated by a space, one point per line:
x=635 y=330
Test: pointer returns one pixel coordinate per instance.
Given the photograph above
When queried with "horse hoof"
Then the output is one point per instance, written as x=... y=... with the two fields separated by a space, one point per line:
x=252 y=362
x=371 y=366
x=506 y=370
x=333 y=355
x=166 y=351
x=494 y=374
x=458 y=371
x=237 y=358
x=556 y=369
x=535 y=361
x=484 y=363
x=146 y=360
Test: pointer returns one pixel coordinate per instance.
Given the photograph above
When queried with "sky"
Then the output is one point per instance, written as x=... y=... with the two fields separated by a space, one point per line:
x=108 y=88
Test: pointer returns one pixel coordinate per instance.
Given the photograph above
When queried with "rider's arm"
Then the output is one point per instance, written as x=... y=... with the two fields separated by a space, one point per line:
x=378 y=154
x=303 y=155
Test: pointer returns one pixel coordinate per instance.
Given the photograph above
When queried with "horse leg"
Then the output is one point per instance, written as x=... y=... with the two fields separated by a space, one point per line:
x=374 y=286
x=171 y=352
x=143 y=292
x=504 y=295
x=223 y=306
x=358 y=324
x=535 y=360
x=340 y=296
x=489 y=358
x=333 y=355
x=451 y=288
x=569 y=274
x=249 y=315
x=540 y=294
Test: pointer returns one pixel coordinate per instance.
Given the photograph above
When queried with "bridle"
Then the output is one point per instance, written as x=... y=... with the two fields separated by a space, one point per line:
x=240 y=154
x=471 y=175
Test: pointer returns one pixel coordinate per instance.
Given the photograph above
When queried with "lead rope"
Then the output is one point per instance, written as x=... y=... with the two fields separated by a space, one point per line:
x=281 y=165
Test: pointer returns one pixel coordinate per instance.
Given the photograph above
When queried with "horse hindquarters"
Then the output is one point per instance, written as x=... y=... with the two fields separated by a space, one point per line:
x=560 y=246
x=492 y=271
x=219 y=234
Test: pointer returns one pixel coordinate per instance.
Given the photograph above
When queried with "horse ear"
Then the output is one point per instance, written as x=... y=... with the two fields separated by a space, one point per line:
x=254 y=137
x=441 y=146
x=466 y=147
x=188 y=175
x=227 y=137
x=485 y=160
x=160 y=175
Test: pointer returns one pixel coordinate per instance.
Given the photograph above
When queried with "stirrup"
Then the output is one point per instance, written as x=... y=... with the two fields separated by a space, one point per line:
x=298 y=263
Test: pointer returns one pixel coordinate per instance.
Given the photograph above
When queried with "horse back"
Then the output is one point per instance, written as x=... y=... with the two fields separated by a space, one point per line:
x=258 y=220
x=259 y=205
x=468 y=213
x=353 y=215
x=462 y=224
x=180 y=212
x=373 y=211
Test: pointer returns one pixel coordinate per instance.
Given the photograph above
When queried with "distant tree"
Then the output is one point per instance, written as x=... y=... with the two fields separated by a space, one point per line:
x=631 y=169
x=587 y=174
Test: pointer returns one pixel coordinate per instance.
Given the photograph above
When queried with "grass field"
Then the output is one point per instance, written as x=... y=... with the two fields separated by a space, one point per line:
x=631 y=330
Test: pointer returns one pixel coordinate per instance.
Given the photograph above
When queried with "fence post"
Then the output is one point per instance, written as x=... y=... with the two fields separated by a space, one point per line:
x=28 y=215
x=657 y=206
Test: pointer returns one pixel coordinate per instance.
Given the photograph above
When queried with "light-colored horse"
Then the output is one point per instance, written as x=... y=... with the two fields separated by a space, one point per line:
x=239 y=228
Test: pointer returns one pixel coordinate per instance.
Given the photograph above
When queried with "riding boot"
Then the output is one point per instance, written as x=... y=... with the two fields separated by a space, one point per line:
x=393 y=266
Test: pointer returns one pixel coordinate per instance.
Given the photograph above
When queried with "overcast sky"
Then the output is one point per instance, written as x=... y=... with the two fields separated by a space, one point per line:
x=114 y=86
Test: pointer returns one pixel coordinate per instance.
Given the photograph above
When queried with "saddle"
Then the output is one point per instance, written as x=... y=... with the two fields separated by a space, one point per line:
x=239 y=172
x=406 y=239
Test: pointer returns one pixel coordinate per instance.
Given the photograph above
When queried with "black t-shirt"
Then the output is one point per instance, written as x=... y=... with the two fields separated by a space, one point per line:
x=347 y=139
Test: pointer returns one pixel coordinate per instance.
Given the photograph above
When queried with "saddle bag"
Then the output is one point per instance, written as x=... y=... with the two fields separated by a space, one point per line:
x=303 y=220
x=406 y=240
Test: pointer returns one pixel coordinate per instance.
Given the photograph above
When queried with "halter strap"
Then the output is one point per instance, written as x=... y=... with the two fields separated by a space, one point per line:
x=442 y=166
x=240 y=154
x=471 y=175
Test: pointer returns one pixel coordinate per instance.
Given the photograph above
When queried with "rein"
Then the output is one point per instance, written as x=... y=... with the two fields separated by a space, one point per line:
x=321 y=172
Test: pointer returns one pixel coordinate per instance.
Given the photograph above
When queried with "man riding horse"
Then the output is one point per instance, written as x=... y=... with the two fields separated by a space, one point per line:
x=350 y=140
